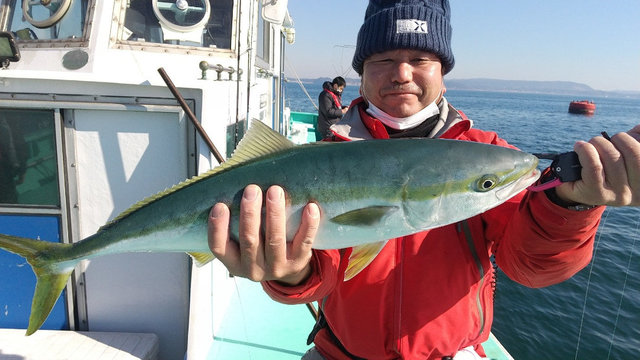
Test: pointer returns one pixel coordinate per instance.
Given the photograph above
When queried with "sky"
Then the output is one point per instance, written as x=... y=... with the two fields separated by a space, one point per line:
x=594 y=42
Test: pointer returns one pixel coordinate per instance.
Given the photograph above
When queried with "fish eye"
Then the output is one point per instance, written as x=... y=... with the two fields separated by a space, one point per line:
x=486 y=182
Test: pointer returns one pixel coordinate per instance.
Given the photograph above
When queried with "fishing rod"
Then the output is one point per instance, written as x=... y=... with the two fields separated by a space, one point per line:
x=191 y=115
x=565 y=167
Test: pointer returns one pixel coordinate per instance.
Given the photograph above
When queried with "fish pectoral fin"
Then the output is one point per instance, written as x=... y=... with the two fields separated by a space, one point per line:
x=361 y=256
x=368 y=216
x=202 y=258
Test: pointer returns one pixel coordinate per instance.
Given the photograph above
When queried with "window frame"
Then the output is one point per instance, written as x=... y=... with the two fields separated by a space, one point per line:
x=6 y=11
x=264 y=58
x=117 y=30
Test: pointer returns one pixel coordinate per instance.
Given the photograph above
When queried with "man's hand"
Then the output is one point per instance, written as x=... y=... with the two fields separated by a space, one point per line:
x=268 y=257
x=610 y=171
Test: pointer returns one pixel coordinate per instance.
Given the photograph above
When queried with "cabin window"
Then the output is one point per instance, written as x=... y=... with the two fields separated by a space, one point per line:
x=201 y=23
x=28 y=161
x=264 y=37
x=46 y=20
x=30 y=206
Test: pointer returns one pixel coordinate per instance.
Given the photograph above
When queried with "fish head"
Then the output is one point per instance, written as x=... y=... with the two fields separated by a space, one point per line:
x=473 y=178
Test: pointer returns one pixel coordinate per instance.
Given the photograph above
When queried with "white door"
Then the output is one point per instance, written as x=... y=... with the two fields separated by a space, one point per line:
x=122 y=157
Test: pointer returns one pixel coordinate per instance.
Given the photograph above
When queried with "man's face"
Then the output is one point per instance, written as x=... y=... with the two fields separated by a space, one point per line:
x=402 y=82
x=338 y=89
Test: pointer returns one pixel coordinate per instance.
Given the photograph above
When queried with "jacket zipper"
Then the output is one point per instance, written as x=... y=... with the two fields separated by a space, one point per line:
x=467 y=234
x=398 y=292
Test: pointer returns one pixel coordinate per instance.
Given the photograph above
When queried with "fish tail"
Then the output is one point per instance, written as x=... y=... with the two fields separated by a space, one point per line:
x=51 y=274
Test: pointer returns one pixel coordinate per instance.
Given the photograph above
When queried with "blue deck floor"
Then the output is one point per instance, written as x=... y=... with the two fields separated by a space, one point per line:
x=260 y=328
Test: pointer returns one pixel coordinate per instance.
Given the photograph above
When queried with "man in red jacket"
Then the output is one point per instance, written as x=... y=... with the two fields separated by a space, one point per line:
x=426 y=295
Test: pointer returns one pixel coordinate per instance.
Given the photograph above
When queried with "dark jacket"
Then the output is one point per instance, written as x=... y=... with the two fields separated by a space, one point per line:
x=329 y=112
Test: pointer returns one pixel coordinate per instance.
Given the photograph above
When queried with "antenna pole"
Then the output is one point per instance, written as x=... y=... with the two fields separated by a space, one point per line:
x=191 y=115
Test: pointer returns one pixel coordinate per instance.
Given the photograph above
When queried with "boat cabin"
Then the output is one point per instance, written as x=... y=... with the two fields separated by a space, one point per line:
x=88 y=127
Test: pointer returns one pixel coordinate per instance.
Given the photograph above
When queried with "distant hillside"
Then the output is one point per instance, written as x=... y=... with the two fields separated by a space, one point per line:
x=320 y=81
x=564 y=87
x=522 y=86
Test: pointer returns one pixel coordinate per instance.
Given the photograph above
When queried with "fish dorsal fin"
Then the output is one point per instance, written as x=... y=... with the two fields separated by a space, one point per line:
x=260 y=140
x=361 y=256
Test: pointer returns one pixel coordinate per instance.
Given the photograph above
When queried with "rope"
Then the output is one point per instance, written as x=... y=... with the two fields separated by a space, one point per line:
x=624 y=286
x=586 y=294
x=245 y=328
x=300 y=83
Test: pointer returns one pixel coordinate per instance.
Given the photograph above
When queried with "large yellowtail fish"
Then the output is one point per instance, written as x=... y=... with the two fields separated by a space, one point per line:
x=368 y=192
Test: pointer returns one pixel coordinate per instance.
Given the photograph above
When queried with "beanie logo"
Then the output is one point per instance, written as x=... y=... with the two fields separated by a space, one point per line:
x=411 y=26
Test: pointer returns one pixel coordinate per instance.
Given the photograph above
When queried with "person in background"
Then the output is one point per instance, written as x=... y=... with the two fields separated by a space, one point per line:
x=427 y=295
x=330 y=109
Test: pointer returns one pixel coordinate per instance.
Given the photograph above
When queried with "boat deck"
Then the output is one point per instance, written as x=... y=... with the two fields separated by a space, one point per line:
x=256 y=327
x=260 y=328
x=77 y=345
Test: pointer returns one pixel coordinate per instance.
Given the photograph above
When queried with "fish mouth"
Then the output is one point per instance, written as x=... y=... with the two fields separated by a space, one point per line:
x=513 y=188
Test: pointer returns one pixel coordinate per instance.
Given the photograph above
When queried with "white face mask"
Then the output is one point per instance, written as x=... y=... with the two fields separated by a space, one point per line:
x=405 y=122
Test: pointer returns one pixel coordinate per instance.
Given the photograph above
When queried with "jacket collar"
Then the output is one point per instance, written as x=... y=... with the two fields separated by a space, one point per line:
x=357 y=124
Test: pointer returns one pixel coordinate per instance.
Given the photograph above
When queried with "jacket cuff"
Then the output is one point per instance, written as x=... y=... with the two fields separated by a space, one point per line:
x=323 y=266
x=547 y=212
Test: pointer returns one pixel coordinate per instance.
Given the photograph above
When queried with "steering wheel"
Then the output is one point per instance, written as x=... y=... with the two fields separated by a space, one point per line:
x=57 y=9
x=180 y=15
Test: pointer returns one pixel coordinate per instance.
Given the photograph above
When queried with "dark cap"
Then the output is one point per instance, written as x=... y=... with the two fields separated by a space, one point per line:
x=405 y=24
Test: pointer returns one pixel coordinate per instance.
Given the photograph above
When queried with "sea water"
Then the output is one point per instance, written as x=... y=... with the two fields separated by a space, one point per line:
x=596 y=313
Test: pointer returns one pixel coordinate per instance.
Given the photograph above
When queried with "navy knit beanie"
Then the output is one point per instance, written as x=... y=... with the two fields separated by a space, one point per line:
x=405 y=24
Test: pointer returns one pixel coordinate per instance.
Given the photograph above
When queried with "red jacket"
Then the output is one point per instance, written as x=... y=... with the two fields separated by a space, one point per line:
x=427 y=295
